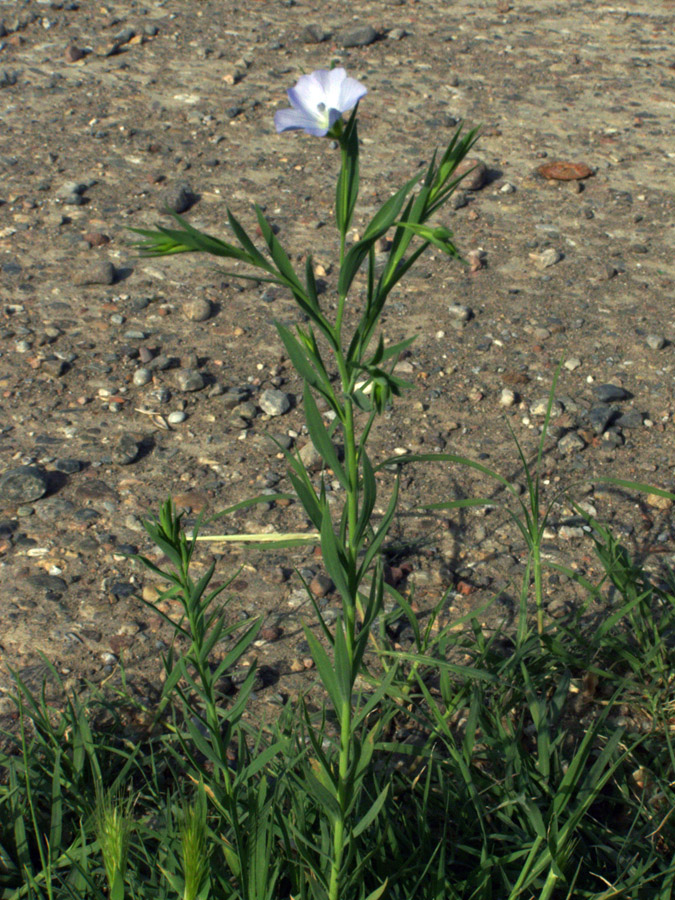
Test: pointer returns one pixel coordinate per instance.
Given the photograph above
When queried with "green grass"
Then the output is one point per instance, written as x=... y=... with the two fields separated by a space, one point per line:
x=533 y=763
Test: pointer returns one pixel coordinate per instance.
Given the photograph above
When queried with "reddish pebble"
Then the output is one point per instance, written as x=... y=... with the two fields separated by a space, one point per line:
x=96 y=238
x=270 y=633
x=463 y=587
x=564 y=171
x=321 y=585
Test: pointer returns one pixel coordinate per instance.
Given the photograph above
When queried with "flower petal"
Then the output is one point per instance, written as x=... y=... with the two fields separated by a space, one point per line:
x=309 y=91
x=295 y=119
x=351 y=91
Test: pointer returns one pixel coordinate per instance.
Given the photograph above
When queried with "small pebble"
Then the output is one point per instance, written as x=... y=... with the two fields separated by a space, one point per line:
x=546 y=258
x=572 y=363
x=477 y=176
x=97 y=272
x=507 y=398
x=608 y=393
x=274 y=403
x=571 y=443
x=23 y=485
x=539 y=407
x=198 y=310
x=655 y=341
x=142 y=377
x=188 y=380
x=176 y=417
x=360 y=36
x=460 y=312
x=176 y=198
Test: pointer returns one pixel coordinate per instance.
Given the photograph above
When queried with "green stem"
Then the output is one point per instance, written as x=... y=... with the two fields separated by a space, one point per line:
x=343 y=776
x=343 y=236
x=538 y=592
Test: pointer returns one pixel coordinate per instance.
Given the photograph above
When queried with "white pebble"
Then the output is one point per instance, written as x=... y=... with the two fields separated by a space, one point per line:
x=572 y=363
x=507 y=397
x=175 y=418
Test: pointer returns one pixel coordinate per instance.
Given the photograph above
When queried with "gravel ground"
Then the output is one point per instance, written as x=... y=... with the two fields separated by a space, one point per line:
x=123 y=380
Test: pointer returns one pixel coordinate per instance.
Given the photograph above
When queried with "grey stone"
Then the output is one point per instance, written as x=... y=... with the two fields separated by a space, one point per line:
x=23 y=485
x=198 y=310
x=160 y=363
x=142 y=376
x=360 y=36
x=571 y=443
x=178 y=198
x=7 y=78
x=476 y=174
x=612 y=438
x=67 y=466
x=608 y=393
x=314 y=34
x=600 y=416
x=274 y=403
x=54 y=367
x=655 y=341
x=50 y=584
x=98 y=272
x=539 y=407
x=54 y=509
x=458 y=200
x=125 y=450
x=188 y=380
x=234 y=396
x=547 y=258
x=460 y=312
x=571 y=532
x=631 y=419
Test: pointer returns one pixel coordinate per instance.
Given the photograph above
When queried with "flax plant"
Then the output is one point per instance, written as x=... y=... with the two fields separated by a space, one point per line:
x=351 y=544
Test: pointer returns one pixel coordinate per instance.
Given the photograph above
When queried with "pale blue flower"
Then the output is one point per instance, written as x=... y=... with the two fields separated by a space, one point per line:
x=318 y=101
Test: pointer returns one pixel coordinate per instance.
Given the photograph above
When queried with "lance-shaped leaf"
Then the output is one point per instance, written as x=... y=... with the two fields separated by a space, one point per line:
x=303 y=365
x=369 y=487
x=347 y=190
x=189 y=240
x=383 y=219
x=380 y=534
x=278 y=253
x=333 y=559
x=321 y=438
x=439 y=237
x=326 y=671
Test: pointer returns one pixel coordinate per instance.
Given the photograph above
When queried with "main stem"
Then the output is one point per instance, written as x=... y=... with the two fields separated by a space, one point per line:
x=351 y=460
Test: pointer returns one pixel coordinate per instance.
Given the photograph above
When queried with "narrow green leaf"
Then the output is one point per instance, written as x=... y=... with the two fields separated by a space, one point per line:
x=377 y=893
x=347 y=188
x=378 y=225
x=325 y=670
x=279 y=255
x=321 y=439
x=369 y=496
x=333 y=558
x=301 y=363
x=341 y=660
x=372 y=814
x=380 y=535
x=246 y=242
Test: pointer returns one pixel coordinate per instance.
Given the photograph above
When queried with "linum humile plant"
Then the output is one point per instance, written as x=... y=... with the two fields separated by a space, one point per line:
x=351 y=544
